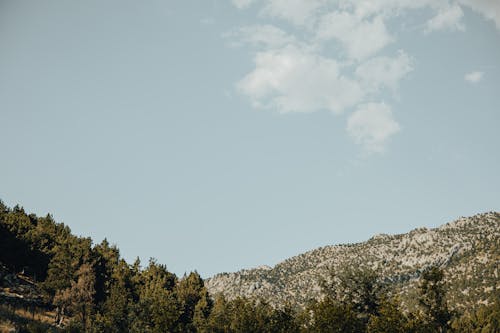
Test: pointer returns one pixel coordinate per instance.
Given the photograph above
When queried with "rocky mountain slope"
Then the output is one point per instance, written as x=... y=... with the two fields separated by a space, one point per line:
x=467 y=249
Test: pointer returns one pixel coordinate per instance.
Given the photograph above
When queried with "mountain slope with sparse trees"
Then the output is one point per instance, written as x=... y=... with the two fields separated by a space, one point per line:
x=439 y=280
x=468 y=251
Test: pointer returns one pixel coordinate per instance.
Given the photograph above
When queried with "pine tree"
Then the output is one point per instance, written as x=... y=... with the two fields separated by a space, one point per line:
x=389 y=319
x=331 y=316
x=79 y=297
x=433 y=299
x=158 y=309
x=356 y=287
x=219 y=320
x=190 y=291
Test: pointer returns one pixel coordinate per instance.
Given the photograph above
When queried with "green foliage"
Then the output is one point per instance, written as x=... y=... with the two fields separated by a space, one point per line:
x=244 y=315
x=433 y=299
x=25 y=241
x=78 y=298
x=106 y=258
x=219 y=319
x=390 y=319
x=358 y=287
x=62 y=268
x=331 y=316
x=158 y=309
x=193 y=299
x=92 y=289
x=484 y=319
x=284 y=320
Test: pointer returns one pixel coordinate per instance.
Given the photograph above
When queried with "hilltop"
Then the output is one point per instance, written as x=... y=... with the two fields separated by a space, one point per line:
x=467 y=249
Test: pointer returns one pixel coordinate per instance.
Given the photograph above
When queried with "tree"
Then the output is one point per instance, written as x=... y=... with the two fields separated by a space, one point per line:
x=61 y=270
x=389 y=319
x=115 y=316
x=283 y=320
x=331 y=316
x=202 y=311
x=243 y=316
x=193 y=299
x=357 y=287
x=106 y=259
x=484 y=319
x=158 y=309
x=79 y=297
x=433 y=299
x=219 y=319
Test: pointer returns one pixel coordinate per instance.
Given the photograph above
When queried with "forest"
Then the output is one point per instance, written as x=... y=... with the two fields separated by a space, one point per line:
x=87 y=287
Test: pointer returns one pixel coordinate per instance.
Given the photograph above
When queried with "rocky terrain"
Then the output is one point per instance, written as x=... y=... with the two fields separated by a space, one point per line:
x=468 y=250
x=22 y=303
x=18 y=289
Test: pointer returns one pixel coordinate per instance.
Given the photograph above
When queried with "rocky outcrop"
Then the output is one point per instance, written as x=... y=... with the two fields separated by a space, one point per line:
x=467 y=249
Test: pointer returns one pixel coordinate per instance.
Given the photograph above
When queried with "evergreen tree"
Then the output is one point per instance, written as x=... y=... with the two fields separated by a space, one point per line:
x=79 y=297
x=202 y=311
x=283 y=320
x=158 y=309
x=219 y=320
x=116 y=310
x=331 y=316
x=484 y=319
x=389 y=319
x=190 y=291
x=243 y=317
x=355 y=287
x=106 y=259
x=433 y=299
x=61 y=269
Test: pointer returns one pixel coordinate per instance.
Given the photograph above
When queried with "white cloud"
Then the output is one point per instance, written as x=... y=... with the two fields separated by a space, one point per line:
x=448 y=18
x=241 y=4
x=488 y=8
x=329 y=56
x=292 y=79
x=298 y=12
x=371 y=126
x=474 y=77
x=353 y=33
x=389 y=8
x=384 y=71
x=267 y=36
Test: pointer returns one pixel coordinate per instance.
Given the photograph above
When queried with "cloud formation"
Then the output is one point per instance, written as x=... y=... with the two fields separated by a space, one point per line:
x=298 y=12
x=293 y=79
x=261 y=36
x=241 y=4
x=315 y=55
x=371 y=126
x=473 y=77
x=448 y=18
x=490 y=9
x=384 y=71
x=352 y=32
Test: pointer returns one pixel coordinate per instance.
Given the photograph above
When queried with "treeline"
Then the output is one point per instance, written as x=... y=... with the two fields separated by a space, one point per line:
x=92 y=289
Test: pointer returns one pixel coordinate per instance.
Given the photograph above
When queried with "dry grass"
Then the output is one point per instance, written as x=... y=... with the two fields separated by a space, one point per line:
x=11 y=316
x=6 y=327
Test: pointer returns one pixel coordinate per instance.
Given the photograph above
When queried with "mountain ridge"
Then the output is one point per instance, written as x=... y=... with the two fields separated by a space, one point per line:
x=467 y=249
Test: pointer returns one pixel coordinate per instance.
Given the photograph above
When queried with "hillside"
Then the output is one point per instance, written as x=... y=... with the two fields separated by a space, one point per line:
x=54 y=281
x=467 y=249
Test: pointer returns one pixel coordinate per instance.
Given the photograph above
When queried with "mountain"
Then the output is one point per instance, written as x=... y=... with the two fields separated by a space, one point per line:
x=54 y=281
x=467 y=249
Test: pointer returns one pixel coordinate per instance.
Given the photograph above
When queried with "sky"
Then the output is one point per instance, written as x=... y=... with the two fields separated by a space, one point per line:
x=221 y=135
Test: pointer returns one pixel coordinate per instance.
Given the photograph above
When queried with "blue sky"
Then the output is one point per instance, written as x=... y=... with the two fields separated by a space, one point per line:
x=219 y=135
